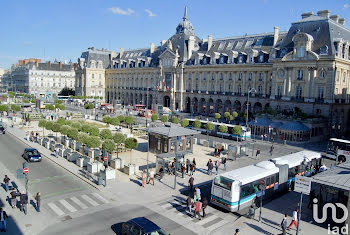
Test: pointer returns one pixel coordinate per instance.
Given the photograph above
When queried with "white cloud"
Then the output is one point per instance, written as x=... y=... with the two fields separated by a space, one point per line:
x=346 y=6
x=150 y=13
x=119 y=11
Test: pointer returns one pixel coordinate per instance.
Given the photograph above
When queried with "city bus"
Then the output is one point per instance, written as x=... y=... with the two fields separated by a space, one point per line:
x=340 y=148
x=138 y=107
x=238 y=189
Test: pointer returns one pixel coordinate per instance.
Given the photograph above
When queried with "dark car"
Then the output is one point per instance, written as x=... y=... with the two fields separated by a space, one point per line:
x=31 y=155
x=2 y=129
x=141 y=226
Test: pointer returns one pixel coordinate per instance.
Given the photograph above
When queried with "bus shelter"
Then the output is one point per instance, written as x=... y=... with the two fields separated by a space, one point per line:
x=163 y=160
x=237 y=150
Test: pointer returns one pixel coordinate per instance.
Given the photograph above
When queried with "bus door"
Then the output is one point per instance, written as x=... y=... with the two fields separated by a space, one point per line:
x=283 y=177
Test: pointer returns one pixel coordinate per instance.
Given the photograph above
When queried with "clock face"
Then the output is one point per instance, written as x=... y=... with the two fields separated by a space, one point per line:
x=280 y=73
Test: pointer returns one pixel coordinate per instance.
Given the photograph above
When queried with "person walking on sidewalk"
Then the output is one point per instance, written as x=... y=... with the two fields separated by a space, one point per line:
x=210 y=167
x=197 y=209
x=57 y=151
x=191 y=169
x=294 y=219
x=217 y=164
x=194 y=164
x=27 y=136
x=237 y=231
x=198 y=191
x=189 y=202
x=143 y=178
x=38 y=201
x=14 y=195
x=23 y=200
x=6 y=182
x=3 y=218
x=284 y=224
x=151 y=177
x=183 y=169
x=224 y=162
x=188 y=162
x=271 y=150
x=190 y=183
x=204 y=205
x=257 y=154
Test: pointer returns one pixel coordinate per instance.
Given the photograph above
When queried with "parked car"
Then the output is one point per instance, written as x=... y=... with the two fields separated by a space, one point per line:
x=142 y=226
x=2 y=129
x=32 y=155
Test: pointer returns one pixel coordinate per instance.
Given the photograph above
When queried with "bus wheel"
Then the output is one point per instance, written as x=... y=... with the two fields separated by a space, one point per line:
x=341 y=158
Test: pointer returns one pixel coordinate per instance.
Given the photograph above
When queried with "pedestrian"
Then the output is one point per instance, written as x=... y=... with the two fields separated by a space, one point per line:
x=32 y=136
x=189 y=202
x=143 y=178
x=188 y=162
x=14 y=195
x=6 y=182
x=151 y=177
x=191 y=169
x=57 y=151
x=38 y=201
x=284 y=224
x=217 y=164
x=161 y=174
x=294 y=219
x=271 y=149
x=190 y=182
x=237 y=231
x=251 y=212
x=262 y=137
x=210 y=167
x=23 y=200
x=3 y=218
x=27 y=136
x=194 y=164
x=198 y=191
x=183 y=169
x=195 y=197
x=204 y=205
x=197 y=209
x=224 y=162
x=257 y=154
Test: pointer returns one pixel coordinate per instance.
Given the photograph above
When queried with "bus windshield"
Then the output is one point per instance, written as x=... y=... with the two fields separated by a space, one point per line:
x=223 y=182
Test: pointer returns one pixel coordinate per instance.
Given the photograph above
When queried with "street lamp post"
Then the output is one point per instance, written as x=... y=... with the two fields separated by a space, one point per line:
x=249 y=91
x=147 y=134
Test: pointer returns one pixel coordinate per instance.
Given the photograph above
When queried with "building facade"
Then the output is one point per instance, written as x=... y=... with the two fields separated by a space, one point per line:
x=304 y=69
x=90 y=72
x=44 y=80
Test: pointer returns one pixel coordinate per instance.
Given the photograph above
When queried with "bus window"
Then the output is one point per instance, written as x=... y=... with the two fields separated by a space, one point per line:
x=223 y=182
x=268 y=180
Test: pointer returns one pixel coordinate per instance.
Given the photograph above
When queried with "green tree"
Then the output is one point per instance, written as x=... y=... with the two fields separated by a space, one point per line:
x=61 y=121
x=119 y=138
x=106 y=119
x=49 y=107
x=26 y=101
x=94 y=131
x=106 y=134
x=234 y=115
x=223 y=129
x=73 y=133
x=60 y=106
x=210 y=127
x=32 y=101
x=129 y=120
x=48 y=126
x=76 y=125
x=85 y=128
x=164 y=118
x=131 y=143
x=121 y=118
x=197 y=124
x=11 y=94
x=4 y=108
x=56 y=127
x=15 y=107
x=227 y=116
x=68 y=122
x=88 y=106
x=108 y=145
x=184 y=123
x=115 y=121
x=82 y=137
x=237 y=130
x=58 y=101
x=175 y=120
x=42 y=123
x=217 y=116
x=154 y=117
x=93 y=142
x=64 y=130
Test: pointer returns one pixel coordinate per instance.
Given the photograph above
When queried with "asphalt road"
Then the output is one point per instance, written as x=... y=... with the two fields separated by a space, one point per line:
x=45 y=176
x=110 y=221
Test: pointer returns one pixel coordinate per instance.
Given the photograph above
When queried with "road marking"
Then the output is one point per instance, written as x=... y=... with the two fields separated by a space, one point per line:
x=55 y=209
x=78 y=202
x=68 y=206
x=100 y=197
x=206 y=220
x=89 y=200
x=216 y=225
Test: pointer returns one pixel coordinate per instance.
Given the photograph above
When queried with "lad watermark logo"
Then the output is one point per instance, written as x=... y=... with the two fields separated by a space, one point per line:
x=334 y=230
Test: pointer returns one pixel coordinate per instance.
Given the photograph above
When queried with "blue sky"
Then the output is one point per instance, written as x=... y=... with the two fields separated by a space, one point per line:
x=63 y=29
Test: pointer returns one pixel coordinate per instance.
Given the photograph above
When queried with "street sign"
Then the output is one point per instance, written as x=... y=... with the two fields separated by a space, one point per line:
x=302 y=184
x=25 y=170
x=105 y=158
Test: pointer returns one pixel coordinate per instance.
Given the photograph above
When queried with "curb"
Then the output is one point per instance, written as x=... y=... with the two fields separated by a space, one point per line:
x=78 y=176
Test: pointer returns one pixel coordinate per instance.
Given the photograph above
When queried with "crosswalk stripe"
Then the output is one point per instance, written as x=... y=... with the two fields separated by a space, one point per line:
x=100 y=197
x=206 y=220
x=217 y=225
x=89 y=200
x=67 y=205
x=55 y=209
x=79 y=203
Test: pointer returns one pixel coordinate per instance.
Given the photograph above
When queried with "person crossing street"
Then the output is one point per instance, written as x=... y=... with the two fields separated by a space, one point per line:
x=38 y=201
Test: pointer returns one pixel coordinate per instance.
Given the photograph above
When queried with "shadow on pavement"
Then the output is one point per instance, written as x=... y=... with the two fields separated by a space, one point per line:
x=12 y=227
x=117 y=228
x=136 y=182
x=257 y=228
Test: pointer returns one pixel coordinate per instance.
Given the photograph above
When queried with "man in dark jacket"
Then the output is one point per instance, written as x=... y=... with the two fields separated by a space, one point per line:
x=23 y=200
x=204 y=205
x=6 y=182
x=14 y=195
x=190 y=182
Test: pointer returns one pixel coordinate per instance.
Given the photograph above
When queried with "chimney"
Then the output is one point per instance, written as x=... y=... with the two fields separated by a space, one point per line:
x=153 y=48
x=190 y=46
x=341 y=21
x=324 y=13
x=37 y=63
x=21 y=62
x=60 y=64
x=50 y=64
x=162 y=42
x=121 y=53
x=307 y=14
x=335 y=18
x=210 y=41
x=276 y=31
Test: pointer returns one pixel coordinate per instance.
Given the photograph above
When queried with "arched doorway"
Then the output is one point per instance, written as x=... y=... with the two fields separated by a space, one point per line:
x=211 y=106
x=257 y=107
x=166 y=102
x=228 y=106
x=267 y=106
x=219 y=106
x=188 y=105
x=237 y=106
x=202 y=106
x=195 y=105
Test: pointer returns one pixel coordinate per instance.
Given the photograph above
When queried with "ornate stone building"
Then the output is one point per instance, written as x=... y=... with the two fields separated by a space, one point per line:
x=306 y=68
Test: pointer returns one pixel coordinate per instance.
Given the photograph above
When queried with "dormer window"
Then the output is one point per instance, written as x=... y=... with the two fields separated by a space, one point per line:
x=324 y=50
x=240 y=59
x=261 y=58
x=301 y=51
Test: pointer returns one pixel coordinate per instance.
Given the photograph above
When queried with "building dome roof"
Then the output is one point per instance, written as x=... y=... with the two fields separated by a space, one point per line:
x=185 y=26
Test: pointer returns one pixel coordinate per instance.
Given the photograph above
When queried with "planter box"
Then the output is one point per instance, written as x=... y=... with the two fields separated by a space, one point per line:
x=72 y=157
x=205 y=143
x=52 y=145
x=110 y=173
x=83 y=161
x=94 y=153
x=94 y=167
x=117 y=163
x=63 y=152
x=129 y=169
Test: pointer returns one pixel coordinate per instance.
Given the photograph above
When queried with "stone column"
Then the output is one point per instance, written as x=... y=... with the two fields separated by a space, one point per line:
x=313 y=74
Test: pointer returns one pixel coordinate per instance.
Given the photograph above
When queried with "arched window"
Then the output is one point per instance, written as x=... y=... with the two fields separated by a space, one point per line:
x=250 y=75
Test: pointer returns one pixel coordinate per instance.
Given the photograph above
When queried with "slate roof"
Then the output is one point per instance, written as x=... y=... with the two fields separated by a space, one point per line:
x=261 y=122
x=338 y=177
x=53 y=67
x=93 y=54
x=294 y=126
x=173 y=130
